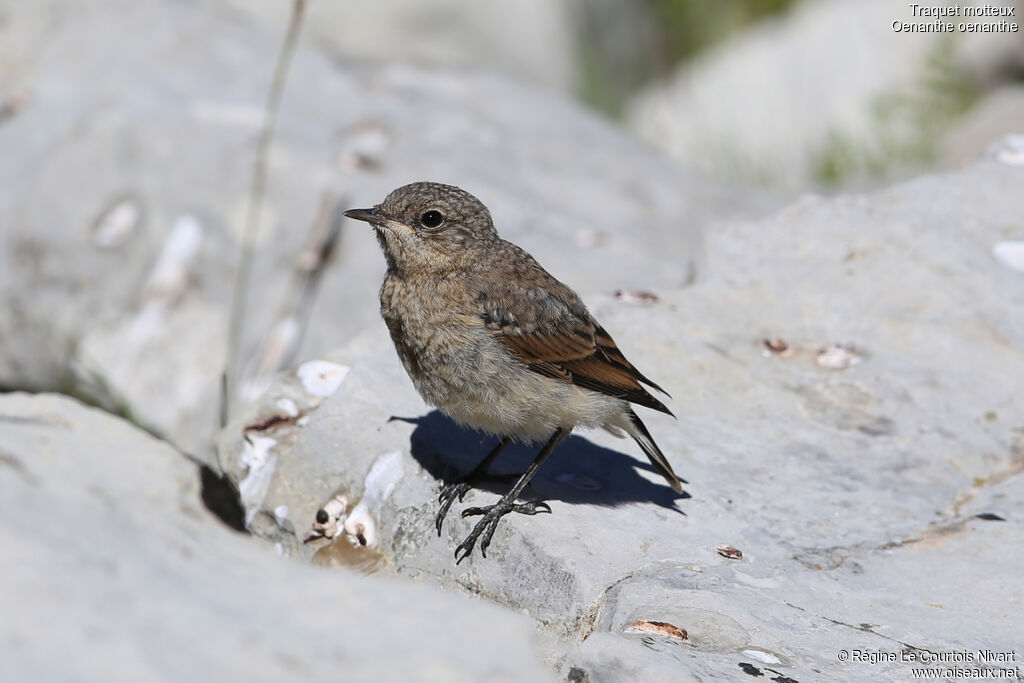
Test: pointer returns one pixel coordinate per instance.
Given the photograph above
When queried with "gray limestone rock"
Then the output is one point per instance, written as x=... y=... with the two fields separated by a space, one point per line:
x=999 y=114
x=848 y=458
x=123 y=185
x=530 y=40
x=116 y=571
x=846 y=375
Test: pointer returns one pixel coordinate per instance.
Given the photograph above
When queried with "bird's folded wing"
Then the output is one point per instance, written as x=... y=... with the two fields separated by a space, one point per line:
x=561 y=340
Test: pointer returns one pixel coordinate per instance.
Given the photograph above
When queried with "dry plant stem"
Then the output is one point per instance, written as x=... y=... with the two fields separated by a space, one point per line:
x=297 y=301
x=317 y=255
x=256 y=191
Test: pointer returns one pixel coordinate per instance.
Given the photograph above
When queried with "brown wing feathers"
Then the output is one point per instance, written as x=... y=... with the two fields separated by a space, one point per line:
x=577 y=350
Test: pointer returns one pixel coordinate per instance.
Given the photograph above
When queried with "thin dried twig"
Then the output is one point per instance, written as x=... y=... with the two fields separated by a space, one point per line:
x=283 y=339
x=255 y=204
x=317 y=255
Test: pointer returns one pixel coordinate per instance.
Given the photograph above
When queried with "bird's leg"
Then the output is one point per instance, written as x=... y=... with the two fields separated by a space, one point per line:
x=492 y=514
x=458 y=489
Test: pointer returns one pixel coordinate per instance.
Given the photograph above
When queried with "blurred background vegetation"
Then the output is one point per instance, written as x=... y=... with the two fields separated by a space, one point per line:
x=900 y=102
x=613 y=67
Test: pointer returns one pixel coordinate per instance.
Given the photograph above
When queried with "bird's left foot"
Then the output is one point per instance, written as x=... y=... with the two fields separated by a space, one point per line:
x=492 y=514
x=449 y=494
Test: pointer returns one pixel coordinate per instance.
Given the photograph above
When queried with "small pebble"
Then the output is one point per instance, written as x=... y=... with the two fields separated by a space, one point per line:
x=776 y=347
x=727 y=551
x=330 y=519
x=990 y=517
x=637 y=296
x=660 y=628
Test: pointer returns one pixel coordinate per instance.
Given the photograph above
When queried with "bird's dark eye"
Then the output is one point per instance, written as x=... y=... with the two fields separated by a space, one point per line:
x=431 y=219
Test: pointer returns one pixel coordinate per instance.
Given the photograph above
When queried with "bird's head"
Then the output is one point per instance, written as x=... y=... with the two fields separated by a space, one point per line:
x=428 y=226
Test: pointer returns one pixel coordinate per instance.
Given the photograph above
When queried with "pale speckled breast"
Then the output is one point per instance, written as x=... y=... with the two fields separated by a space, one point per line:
x=441 y=348
x=457 y=366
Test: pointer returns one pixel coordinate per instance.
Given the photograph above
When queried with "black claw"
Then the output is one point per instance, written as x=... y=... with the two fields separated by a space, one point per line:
x=531 y=508
x=466 y=548
x=486 y=541
x=447 y=496
x=439 y=518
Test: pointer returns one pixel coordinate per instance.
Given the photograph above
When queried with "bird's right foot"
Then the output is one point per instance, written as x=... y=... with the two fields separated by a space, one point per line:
x=492 y=514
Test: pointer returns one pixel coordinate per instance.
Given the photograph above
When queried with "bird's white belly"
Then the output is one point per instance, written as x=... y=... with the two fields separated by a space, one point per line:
x=508 y=398
x=457 y=366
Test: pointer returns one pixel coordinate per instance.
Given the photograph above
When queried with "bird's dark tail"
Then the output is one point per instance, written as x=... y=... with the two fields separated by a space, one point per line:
x=657 y=458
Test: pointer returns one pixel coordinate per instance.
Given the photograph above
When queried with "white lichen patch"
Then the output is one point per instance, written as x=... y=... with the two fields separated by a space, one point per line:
x=763 y=657
x=169 y=275
x=839 y=357
x=281 y=514
x=259 y=459
x=361 y=526
x=166 y=283
x=1010 y=254
x=288 y=407
x=386 y=472
x=1010 y=150
x=322 y=378
x=117 y=223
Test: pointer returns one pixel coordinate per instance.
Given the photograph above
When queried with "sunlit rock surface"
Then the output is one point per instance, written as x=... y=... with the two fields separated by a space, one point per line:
x=847 y=379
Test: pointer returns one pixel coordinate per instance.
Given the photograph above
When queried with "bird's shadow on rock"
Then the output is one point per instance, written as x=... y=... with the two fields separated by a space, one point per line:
x=578 y=472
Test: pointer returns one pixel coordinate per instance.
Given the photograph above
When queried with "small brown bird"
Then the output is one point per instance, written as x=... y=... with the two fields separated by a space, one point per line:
x=497 y=343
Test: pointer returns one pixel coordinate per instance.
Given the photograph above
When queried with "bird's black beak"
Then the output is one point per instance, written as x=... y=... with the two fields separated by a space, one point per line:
x=375 y=218
x=368 y=215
